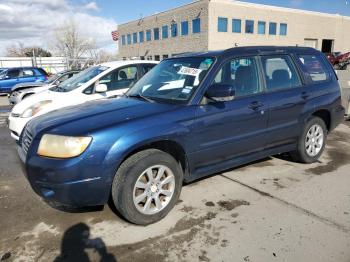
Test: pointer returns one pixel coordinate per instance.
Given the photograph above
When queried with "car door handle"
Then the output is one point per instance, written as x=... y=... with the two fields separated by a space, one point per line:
x=304 y=95
x=255 y=105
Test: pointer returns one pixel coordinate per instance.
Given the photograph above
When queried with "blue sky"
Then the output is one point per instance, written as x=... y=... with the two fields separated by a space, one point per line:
x=123 y=11
x=34 y=22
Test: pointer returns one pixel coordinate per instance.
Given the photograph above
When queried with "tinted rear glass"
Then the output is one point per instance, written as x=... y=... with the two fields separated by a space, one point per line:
x=280 y=73
x=314 y=67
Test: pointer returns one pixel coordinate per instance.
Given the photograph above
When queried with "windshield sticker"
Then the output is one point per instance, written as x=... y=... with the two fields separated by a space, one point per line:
x=189 y=71
x=187 y=89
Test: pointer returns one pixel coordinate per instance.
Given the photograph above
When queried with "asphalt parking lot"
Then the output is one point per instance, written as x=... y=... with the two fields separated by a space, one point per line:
x=270 y=210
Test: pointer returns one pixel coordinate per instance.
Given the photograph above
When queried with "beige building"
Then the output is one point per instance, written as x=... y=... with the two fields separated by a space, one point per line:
x=219 y=24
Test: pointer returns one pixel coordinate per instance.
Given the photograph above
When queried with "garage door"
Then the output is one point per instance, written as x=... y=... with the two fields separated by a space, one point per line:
x=311 y=43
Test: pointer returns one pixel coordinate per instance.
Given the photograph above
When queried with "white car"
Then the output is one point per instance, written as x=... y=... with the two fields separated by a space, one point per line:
x=96 y=82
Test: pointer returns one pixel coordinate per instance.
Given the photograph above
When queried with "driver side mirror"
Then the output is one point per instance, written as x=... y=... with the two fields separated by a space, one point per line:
x=221 y=92
x=101 y=88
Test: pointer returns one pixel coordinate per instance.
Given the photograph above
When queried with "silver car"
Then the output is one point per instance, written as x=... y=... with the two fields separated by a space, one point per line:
x=22 y=91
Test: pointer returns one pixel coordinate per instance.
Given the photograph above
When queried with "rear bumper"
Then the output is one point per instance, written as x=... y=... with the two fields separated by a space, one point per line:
x=337 y=116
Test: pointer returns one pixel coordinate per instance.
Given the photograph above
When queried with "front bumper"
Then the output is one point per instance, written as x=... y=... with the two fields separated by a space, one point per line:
x=76 y=182
x=16 y=126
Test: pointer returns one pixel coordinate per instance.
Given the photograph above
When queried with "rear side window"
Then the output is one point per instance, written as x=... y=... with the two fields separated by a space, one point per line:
x=280 y=73
x=41 y=71
x=27 y=73
x=314 y=67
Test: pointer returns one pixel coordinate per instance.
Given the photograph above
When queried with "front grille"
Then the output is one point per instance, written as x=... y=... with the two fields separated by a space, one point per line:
x=27 y=139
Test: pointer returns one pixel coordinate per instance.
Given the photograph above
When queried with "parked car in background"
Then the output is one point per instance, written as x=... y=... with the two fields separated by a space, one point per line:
x=12 y=76
x=96 y=82
x=24 y=90
x=2 y=69
x=191 y=116
x=338 y=60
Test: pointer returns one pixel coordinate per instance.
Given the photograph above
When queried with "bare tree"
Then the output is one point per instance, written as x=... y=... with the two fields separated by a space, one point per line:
x=15 y=50
x=70 y=43
x=102 y=56
x=19 y=50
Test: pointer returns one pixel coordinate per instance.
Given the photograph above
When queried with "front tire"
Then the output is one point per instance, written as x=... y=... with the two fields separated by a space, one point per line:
x=147 y=186
x=311 y=143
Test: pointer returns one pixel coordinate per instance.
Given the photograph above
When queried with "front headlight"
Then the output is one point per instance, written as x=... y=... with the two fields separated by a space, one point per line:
x=62 y=146
x=36 y=108
x=15 y=93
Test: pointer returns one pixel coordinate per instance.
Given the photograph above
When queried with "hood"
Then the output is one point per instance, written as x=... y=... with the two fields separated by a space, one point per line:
x=85 y=118
x=33 y=99
x=27 y=85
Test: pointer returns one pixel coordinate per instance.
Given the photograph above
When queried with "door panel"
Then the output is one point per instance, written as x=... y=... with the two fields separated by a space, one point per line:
x=225 y=130
x=284 y=94
x=27 y=75
x=229 y=129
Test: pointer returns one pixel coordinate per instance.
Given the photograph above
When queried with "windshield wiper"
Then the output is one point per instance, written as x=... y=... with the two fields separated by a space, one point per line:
x=141 y=96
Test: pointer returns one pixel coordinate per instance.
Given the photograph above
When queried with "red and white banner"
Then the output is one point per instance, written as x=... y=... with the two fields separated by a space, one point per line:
x=115 y=35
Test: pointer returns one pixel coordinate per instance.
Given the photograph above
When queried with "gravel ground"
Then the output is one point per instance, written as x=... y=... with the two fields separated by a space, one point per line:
x=270 y=210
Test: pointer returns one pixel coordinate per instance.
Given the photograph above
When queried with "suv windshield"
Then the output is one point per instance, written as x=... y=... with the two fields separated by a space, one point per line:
x=51 y=79
x=174 y=80
x=79 y=79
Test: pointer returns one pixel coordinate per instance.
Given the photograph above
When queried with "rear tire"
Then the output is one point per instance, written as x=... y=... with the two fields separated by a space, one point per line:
x=312 y=142
x=147 y=186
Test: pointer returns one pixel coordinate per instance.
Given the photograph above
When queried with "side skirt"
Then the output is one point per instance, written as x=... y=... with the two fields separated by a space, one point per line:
x=236 y=162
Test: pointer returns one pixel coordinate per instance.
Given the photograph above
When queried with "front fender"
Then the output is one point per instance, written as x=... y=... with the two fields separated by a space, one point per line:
x=128 y=143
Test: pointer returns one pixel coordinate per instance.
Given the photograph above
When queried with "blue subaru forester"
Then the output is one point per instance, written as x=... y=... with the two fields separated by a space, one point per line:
x=9 y=77
x=190 y=116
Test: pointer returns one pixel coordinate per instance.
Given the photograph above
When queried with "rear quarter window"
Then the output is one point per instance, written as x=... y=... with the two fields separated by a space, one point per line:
x=315 y=68
x=40 y=71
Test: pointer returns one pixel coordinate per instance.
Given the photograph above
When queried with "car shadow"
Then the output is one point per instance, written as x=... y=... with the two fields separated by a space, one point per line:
x=76 y=242
x=72 y=209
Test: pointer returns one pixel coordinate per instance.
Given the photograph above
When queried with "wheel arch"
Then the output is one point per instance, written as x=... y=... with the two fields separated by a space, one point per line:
x=171 y=147
x=325 y=115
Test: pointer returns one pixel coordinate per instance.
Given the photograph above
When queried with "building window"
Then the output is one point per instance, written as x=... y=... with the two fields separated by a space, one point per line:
x=249 y=27
x=148 y=35
x=123 y=40
x=157 y=57
x=236 y=25
x=174 y=30
x=222 y=24
x=272 y=28
x=129 y=39
x=156 y=33
x=165 y=32
x=165 y=56
x=134 y=38
x=196 y=26
x=141 y=36
x=283 y=29
x=184 y=28
x=261 y=27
